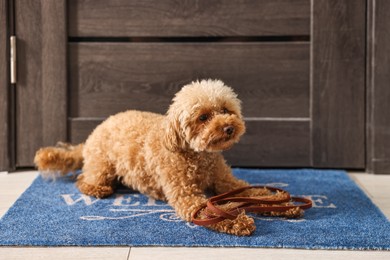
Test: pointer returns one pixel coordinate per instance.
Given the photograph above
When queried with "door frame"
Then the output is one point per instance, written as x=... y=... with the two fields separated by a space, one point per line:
x=6 y=162
x=377 y=87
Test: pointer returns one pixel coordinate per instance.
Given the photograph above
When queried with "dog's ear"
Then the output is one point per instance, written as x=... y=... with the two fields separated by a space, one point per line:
x=173 y=139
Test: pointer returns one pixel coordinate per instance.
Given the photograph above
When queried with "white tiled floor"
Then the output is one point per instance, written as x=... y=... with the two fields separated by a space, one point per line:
x=12 y=185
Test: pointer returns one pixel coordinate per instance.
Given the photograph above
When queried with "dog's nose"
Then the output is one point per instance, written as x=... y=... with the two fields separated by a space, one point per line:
x=228 y=129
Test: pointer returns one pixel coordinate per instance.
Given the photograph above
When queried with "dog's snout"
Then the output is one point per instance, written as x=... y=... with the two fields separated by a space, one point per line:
x=228 y=130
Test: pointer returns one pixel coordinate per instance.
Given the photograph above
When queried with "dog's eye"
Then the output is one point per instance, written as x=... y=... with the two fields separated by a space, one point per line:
x=225 y=111
x=203 y=117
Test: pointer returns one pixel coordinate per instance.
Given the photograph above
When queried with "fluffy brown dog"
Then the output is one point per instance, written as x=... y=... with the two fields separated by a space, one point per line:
x=173 y=158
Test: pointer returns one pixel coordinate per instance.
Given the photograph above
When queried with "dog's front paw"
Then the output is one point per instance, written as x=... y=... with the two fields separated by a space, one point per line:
x=243 y=225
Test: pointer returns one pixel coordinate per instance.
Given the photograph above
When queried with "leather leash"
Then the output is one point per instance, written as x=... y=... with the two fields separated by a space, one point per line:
x=213 y=214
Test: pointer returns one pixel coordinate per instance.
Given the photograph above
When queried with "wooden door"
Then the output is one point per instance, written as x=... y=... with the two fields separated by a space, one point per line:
x=298 y=67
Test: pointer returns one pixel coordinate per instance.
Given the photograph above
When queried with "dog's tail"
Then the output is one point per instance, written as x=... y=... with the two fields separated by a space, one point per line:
x=59 y=160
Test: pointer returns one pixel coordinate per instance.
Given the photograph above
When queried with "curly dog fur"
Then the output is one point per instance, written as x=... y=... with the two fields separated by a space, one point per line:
x=175 y=157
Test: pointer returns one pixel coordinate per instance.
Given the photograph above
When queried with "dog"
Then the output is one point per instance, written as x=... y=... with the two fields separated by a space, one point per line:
x=174 y=157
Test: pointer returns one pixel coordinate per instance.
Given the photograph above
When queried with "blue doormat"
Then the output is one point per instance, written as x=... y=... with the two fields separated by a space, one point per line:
x=56 y=214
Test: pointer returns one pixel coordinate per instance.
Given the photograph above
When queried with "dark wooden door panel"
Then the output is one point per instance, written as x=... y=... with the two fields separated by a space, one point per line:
x=29 y=91
x=266 y=143
x=41 y=86
x=338 y=83
x=134 y=18
x=272 y=79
